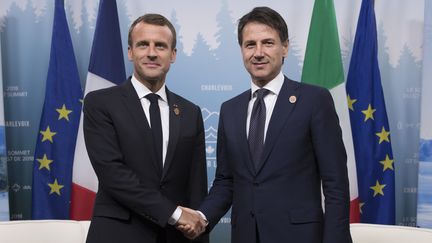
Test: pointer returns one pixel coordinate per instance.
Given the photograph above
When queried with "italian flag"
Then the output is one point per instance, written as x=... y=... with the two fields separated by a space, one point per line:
x=323 y=67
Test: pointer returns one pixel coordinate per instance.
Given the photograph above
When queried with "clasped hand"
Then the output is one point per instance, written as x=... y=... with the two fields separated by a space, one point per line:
x=191 y=224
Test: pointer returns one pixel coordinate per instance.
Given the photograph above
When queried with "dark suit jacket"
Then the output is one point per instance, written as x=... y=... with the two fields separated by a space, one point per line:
x=136 y=196
x=281 y=200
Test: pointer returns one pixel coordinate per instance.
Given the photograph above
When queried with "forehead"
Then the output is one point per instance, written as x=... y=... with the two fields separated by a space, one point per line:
x=150 y=32
x=257 y=31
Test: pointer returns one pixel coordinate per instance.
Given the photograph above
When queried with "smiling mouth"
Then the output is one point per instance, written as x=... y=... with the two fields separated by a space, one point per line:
x=259 y=64
x=150 y=64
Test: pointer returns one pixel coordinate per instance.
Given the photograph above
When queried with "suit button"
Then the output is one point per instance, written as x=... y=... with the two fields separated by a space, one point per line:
x=252 y=214
x=256 y=184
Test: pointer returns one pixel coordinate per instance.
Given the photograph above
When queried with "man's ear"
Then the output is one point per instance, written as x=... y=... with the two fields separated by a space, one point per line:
x=173 y=55
x=285 y=45
x=129 y=53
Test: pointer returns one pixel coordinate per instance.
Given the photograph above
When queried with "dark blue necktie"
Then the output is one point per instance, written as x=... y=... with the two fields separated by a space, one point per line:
x=256 y=127
x=156 y=124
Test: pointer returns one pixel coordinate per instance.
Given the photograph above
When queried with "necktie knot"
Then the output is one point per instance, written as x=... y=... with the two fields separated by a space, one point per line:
x=153 y=98
x=261 y=93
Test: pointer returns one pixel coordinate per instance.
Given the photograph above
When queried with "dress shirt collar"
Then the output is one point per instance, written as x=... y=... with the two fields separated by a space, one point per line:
x=274 y=85
x=142 y=90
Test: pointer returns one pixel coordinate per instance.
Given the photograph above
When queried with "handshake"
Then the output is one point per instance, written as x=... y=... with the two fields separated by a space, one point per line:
x=191 y=223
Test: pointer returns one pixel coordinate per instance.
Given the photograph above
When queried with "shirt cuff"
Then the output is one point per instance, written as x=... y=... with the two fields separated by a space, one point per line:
x=175 y=216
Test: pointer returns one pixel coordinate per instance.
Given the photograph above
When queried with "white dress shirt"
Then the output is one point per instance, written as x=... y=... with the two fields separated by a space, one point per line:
x=142 y=91
x=274 y=86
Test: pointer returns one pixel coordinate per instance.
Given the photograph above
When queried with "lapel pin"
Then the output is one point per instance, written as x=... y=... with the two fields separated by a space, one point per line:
x=176 y=110
x=292 y=99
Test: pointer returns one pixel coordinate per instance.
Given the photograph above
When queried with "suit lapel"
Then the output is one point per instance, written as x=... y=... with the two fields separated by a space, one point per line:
x=241 y=110
x=133 y=105
x=174 y=129
x=281 y=112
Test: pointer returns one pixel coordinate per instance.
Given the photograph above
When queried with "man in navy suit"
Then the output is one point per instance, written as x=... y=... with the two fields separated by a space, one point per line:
x=277 y=143
x=146 y=145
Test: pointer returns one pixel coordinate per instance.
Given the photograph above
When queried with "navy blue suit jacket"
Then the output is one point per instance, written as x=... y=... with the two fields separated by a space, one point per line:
x=136 y=195
x=281 y=200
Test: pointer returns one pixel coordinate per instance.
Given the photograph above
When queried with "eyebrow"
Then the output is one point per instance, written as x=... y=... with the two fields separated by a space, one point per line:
x=161 y=43
x=145 y=42
x=268 y=39
x=142 y=42
x=249 y=42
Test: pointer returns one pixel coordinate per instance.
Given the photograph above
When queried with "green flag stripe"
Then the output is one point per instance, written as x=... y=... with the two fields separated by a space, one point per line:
x=322 y=63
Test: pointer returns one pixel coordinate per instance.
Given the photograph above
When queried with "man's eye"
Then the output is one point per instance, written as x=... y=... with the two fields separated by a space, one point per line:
x=142 y=45
x=250 y=45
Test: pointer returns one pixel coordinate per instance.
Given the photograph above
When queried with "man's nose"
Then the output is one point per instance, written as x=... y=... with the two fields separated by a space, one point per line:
x=152 y=52
x=258 y=52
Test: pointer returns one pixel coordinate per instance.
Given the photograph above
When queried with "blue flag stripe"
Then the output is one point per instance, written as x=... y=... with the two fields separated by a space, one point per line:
x=107 y=37
x=369 y=123
x=53 y=158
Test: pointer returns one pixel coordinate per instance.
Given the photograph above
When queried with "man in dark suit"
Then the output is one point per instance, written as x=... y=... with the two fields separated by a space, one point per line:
x=146 y=145
x=277 y=143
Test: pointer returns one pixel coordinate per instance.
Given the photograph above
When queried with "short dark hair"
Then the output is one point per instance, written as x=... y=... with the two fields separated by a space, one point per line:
x=153 y=19
x=267 y=16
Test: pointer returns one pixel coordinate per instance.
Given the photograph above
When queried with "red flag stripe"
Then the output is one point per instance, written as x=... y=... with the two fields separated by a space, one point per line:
x=82 y=209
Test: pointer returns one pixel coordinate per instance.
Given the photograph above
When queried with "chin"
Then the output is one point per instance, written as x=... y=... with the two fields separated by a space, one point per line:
x=154 y=80
x=260 y=78
x=260 y=73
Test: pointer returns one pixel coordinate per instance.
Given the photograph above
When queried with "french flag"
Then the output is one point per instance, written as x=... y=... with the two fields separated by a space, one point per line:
x=106 y=69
